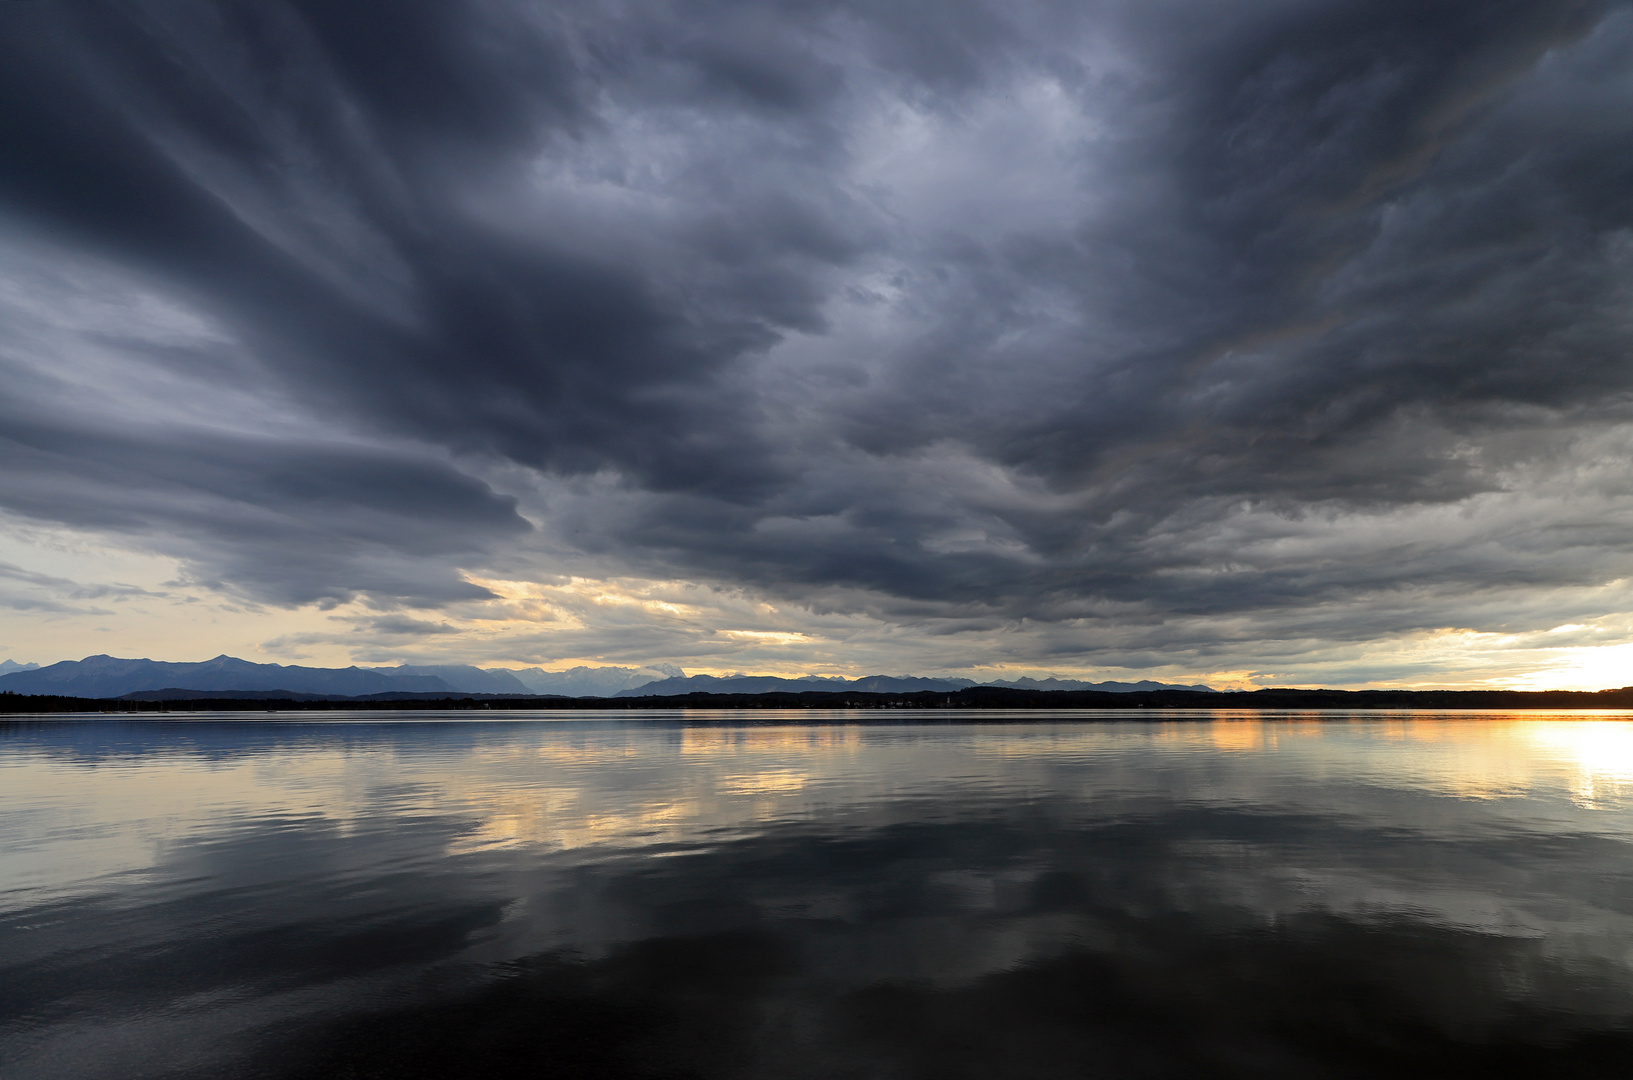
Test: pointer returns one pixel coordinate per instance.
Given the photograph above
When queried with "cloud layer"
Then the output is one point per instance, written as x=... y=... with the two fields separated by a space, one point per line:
x=1057 y=334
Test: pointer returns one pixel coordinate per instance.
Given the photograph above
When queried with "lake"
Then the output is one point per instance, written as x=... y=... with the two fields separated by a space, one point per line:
x=833 y=895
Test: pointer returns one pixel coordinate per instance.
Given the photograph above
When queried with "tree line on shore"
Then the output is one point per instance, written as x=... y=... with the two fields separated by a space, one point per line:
x=975 y=697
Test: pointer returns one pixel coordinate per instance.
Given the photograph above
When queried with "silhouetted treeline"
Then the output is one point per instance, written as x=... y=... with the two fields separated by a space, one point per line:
x=974 y=697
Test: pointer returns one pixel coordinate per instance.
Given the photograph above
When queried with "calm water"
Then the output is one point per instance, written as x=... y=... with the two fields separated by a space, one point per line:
x=1346 y=895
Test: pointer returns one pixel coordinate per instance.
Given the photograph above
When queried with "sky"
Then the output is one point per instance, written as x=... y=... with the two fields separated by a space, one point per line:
x=1256 y=343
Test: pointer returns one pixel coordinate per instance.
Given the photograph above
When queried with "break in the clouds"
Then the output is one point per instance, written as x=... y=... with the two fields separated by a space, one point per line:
x=1275 y=336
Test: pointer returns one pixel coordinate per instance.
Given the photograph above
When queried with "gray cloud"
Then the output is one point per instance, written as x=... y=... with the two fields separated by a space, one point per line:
x=29 y=591
x=1204 y=326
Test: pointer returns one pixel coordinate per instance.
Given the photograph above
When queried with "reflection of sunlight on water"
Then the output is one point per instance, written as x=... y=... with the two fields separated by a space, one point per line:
x=67 y=820
x=1469 y=755
x=713 y=789
x=653 y=822
x=1599 y=755
x=1046 y=860
x=559 y=818
x=1238 y=735
x=734 y=740
x=771 y=782
x=1240 y=731
x=74 y=820
x=533 y=816
x=1506 y=756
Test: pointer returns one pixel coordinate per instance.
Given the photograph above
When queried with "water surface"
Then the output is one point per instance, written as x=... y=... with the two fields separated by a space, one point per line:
x=818 y=895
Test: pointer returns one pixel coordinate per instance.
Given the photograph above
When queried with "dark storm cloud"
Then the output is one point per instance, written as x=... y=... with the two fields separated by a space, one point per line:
x=290 y=523
x=969 y=310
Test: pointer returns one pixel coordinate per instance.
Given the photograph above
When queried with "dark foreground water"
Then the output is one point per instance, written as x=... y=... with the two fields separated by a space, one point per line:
x=1318 y=895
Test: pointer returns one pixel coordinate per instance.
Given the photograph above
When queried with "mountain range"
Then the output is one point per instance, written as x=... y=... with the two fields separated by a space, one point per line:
x=112 y=677
x=870 y=684
x=772 y=684
x=594 y=681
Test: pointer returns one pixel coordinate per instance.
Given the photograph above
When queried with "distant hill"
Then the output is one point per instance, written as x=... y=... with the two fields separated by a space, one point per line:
x=1108 y=687
x=175 y=694
x=592 y=681
x=110 y=676
x=771 y=684
x=870 y=684
x=462 y=677
x=905 y=684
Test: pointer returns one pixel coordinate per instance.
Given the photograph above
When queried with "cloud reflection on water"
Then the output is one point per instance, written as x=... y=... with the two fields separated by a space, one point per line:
x=865 y=896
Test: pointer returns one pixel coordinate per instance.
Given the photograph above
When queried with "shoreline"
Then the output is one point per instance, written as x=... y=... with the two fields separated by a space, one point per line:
x=159 y=702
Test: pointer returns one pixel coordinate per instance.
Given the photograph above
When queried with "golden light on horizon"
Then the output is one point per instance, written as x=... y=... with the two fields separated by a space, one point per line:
x=1581 y=667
